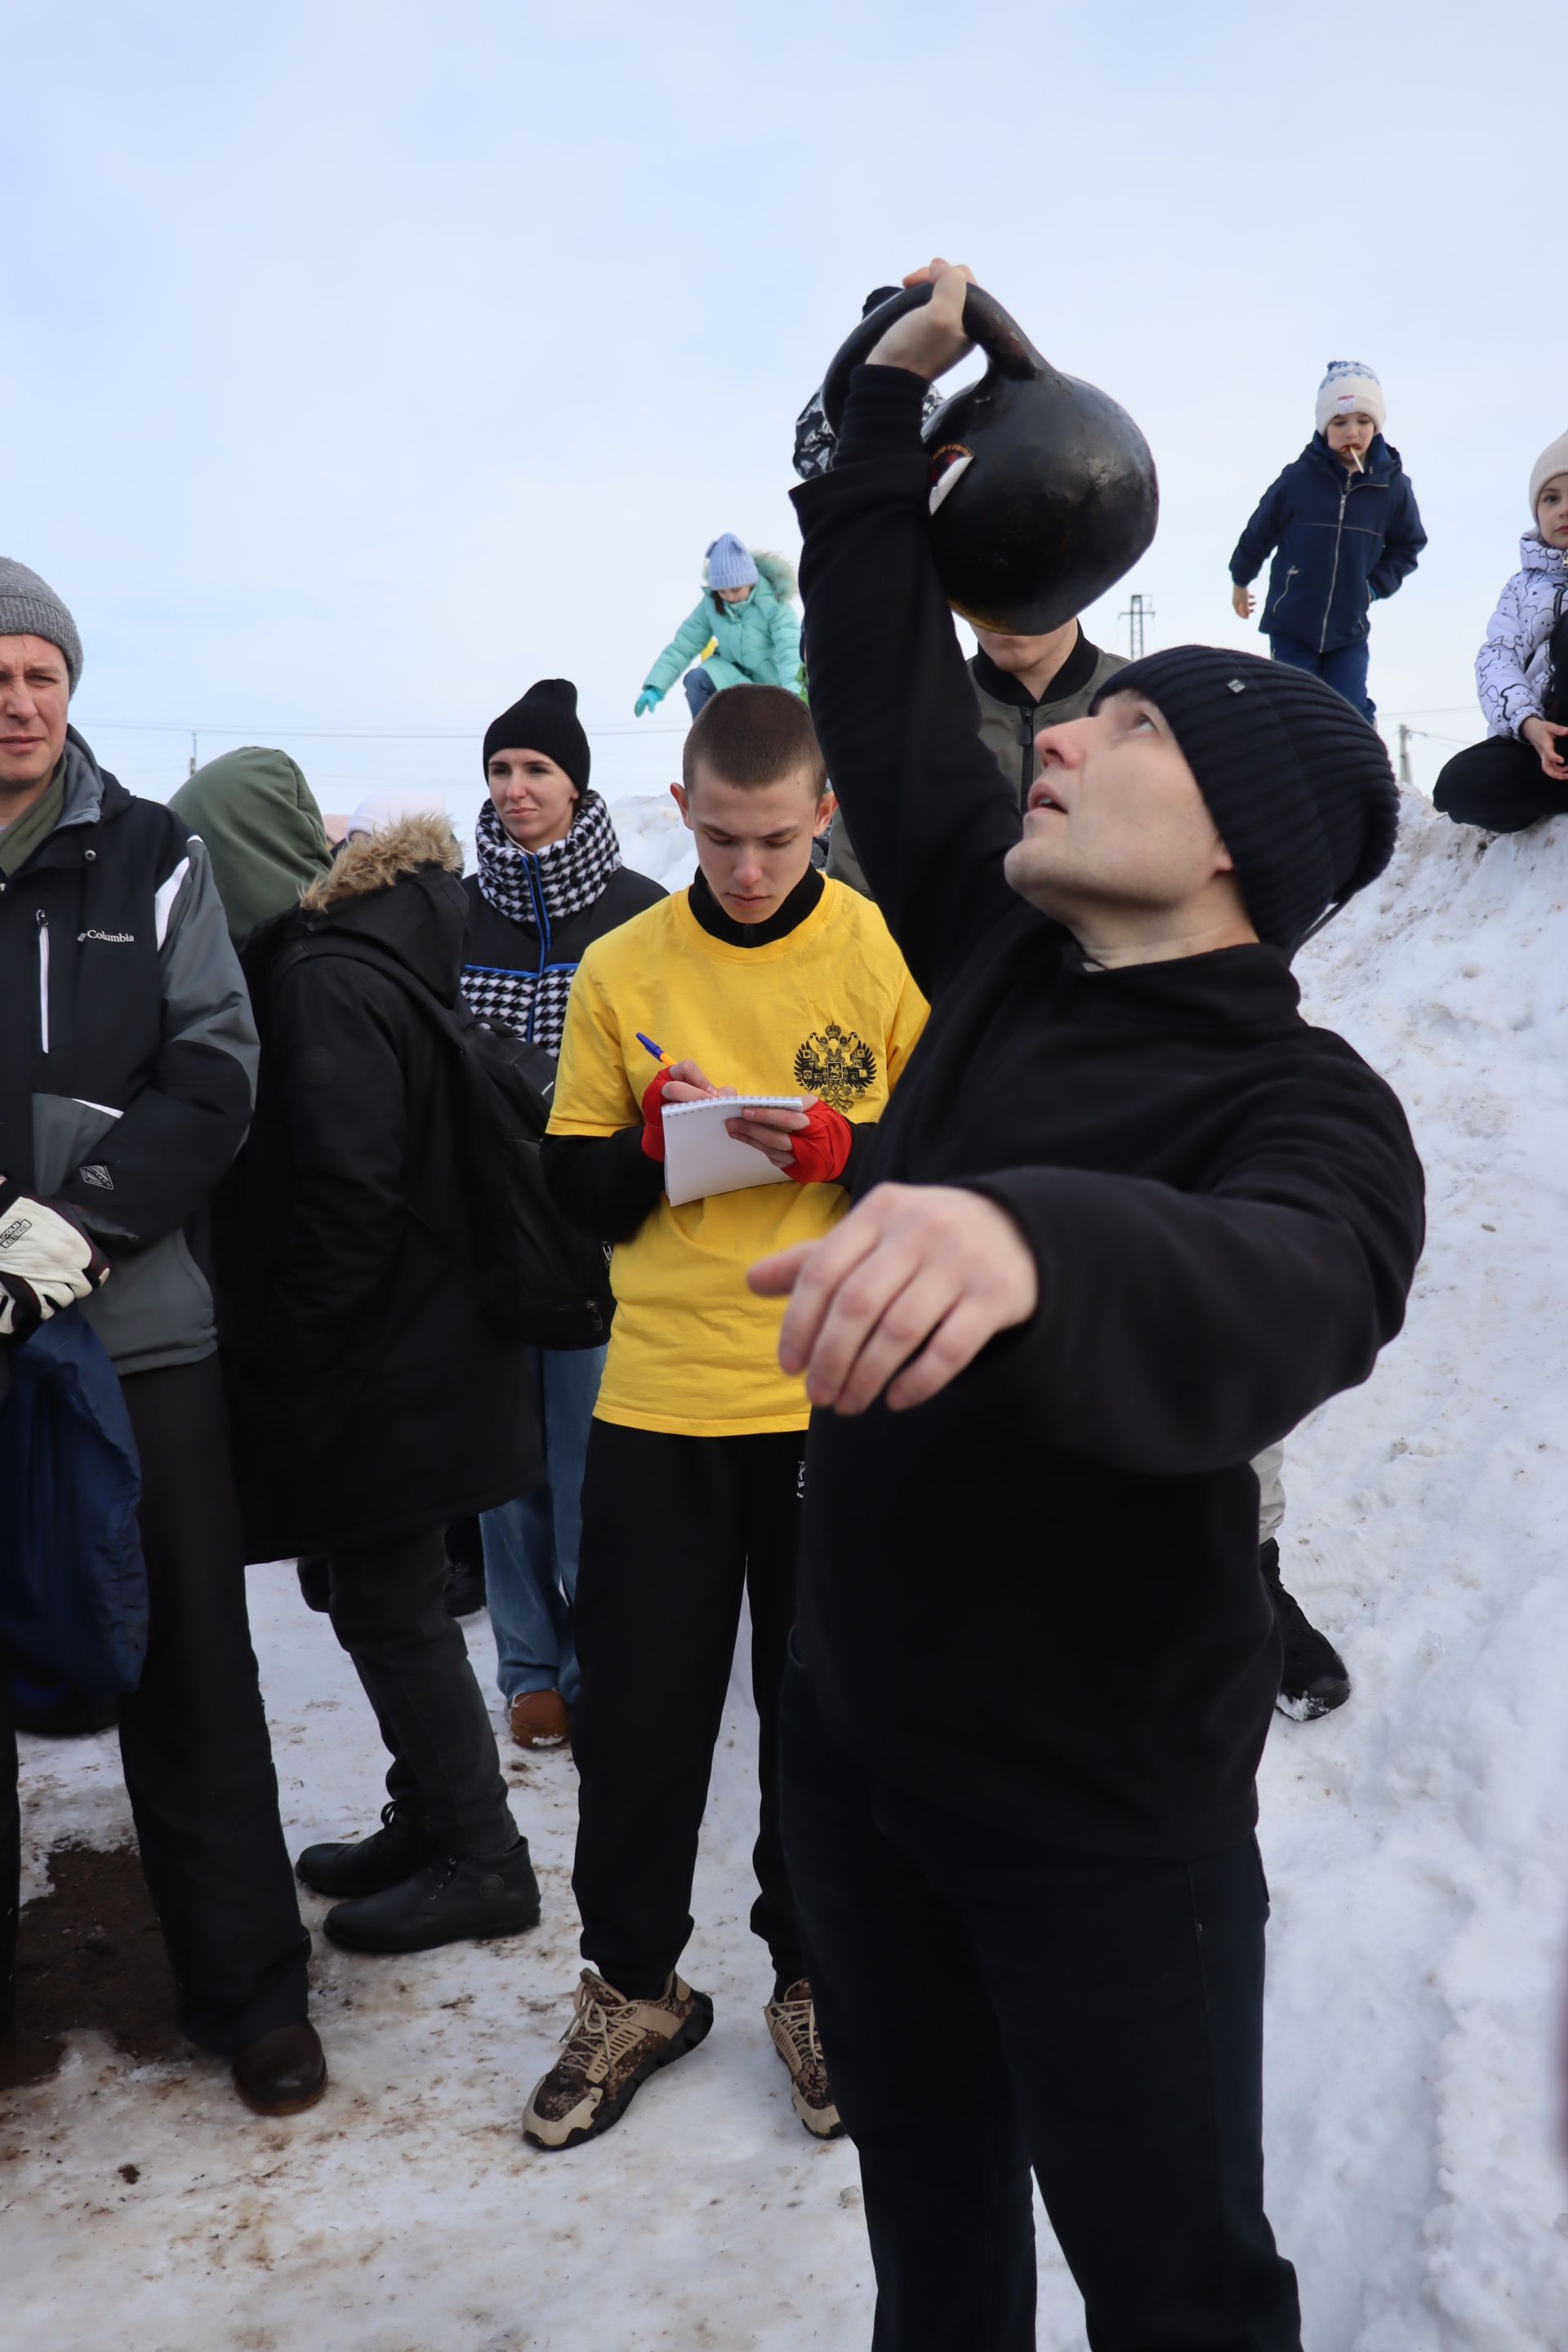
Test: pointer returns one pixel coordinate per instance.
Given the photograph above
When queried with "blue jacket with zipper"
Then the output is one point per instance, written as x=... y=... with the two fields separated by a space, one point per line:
x=1337 y=539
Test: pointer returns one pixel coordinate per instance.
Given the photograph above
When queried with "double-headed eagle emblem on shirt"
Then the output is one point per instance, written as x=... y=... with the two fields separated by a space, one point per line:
x=837 y=1065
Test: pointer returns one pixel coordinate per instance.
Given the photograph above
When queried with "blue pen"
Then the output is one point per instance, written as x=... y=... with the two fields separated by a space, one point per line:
x=658 y=1052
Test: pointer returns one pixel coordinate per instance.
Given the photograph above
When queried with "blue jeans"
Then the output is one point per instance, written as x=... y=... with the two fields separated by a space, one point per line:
x=699 y=688
x=1343 y=667
x=530 y=1545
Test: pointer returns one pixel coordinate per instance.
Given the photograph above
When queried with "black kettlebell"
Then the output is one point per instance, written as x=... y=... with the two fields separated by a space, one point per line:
x=1043 y=491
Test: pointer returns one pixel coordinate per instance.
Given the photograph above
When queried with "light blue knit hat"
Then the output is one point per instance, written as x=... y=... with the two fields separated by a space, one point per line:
x=729 y=564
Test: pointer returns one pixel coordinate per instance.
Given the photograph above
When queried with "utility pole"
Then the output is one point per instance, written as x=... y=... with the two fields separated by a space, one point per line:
x=192 y=769
x=1137 y=613
x=1405 y=734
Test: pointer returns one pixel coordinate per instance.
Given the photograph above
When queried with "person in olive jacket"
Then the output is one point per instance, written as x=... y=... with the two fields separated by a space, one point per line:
x=375 y=1400
x=550 y=882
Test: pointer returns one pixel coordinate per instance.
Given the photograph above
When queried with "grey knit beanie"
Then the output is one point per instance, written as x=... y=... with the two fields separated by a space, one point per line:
x=29 y=608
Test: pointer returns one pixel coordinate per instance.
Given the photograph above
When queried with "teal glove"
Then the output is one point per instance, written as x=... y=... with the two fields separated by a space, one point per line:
x=649 y=699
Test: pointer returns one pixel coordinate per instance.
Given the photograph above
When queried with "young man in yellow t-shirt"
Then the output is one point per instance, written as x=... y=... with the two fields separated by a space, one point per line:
x=763 y=978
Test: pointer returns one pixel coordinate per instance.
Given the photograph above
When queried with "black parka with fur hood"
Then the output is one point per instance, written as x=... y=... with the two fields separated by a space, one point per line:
x=371 y=1398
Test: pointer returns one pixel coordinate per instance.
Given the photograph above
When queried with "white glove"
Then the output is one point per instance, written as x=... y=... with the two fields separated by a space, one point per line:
x=47 y=1262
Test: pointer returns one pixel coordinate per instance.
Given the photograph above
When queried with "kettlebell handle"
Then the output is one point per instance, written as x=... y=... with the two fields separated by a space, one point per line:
x=985 y=323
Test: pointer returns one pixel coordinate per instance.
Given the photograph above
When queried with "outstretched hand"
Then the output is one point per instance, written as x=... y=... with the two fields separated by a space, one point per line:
x=928 y=340
x=901 y=1297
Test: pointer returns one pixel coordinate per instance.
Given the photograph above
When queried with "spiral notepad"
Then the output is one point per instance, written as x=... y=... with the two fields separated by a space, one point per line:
x=701 y=1156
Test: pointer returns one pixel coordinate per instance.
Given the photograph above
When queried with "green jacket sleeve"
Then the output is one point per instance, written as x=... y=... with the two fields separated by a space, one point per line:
x=684 y=646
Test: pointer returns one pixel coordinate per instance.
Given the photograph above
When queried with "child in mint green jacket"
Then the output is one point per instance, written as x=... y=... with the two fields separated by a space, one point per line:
x=748 y=608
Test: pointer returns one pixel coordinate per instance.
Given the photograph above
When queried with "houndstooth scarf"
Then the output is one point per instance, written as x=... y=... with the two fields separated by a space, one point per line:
x=536 y=889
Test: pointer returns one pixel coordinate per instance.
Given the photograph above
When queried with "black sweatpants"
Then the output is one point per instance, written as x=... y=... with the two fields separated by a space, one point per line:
x=989 y=2007
x=192 y=1737
x=674 y=1530
x=1499 y=785
x=388 y=1608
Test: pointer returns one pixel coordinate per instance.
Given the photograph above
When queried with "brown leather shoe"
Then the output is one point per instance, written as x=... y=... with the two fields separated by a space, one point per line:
x=539 y=1719
x=284 y=2073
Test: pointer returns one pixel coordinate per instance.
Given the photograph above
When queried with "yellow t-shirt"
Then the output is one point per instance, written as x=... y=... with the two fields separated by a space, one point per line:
x=828 y=1010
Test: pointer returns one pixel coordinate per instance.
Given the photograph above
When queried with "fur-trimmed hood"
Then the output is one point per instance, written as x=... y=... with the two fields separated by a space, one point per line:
x=369 y=861
x=776 y=571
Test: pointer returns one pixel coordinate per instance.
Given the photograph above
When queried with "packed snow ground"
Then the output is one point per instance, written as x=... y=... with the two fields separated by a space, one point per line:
x=1415 y=1844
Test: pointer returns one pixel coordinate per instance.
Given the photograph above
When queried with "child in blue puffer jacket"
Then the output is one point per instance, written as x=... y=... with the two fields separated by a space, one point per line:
x=1344 y=528
x=748 y=609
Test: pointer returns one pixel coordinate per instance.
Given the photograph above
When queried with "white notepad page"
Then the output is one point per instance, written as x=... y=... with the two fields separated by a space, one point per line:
x=701 y=1157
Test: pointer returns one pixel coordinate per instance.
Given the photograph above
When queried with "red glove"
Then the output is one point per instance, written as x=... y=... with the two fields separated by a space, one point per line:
x=820 y=1146
x=653 y=1116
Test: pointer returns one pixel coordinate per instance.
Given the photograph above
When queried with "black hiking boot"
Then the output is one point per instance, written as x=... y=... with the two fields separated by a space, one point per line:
x=447 y=1901
x=385 y=1858
x=1312 y=1676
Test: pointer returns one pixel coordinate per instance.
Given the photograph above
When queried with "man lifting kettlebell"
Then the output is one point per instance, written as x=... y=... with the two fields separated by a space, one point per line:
x=1128 y=1219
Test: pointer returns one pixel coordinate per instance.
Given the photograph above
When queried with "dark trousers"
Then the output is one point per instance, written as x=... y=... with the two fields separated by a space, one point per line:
x=388 y=1608
x=1342 y=666
x=989 y=2007
x=193 y=1736
x=1499 y=785
x=674 y=1530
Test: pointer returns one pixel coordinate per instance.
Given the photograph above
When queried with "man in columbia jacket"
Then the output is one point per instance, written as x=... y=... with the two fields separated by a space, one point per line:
x=127 y=1067
x=1125 y=1221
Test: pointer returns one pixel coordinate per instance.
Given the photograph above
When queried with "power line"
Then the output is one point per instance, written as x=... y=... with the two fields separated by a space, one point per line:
x=344 y=734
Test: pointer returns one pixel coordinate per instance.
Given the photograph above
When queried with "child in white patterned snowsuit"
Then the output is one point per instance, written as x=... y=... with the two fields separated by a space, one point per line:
x=1519 y=773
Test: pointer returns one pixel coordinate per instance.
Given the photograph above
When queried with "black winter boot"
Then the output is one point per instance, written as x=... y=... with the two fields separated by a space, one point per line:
x=1312 y=1676
x=385 y=1858
x=447 y=1901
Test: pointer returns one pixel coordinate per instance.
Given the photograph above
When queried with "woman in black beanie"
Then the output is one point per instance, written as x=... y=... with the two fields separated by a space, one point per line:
x=550 y=882
x=1128 y=1219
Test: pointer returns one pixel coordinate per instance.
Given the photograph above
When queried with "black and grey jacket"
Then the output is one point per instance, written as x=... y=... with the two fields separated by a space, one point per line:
x=127 y=1052
x=1010 y=719
x=533 y=914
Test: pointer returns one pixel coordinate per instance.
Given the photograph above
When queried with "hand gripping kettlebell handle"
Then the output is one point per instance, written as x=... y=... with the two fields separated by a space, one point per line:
x=998 y=335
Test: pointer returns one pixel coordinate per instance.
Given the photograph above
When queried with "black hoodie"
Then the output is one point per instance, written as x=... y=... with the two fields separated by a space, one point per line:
x=1059 y=1553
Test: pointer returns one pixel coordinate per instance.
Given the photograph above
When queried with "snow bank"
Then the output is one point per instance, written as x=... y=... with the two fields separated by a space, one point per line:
x=654 y=839
x=1414 y=1842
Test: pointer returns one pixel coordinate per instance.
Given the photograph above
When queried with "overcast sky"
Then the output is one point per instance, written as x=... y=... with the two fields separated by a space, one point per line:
x=367 y=363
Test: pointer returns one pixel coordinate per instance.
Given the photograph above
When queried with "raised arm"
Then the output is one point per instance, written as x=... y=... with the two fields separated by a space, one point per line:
x=931 y=814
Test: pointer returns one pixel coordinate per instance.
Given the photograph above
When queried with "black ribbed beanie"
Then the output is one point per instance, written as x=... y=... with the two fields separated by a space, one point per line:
x=544 y=720
x=1298 y=783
